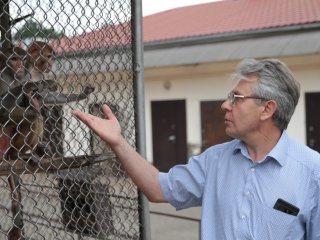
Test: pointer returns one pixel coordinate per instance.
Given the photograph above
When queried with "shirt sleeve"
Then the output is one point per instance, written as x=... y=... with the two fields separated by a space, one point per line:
x=313 y=229
x=183 y=185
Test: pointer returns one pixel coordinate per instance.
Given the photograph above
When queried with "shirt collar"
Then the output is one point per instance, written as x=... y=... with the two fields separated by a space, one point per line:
x=278 y=153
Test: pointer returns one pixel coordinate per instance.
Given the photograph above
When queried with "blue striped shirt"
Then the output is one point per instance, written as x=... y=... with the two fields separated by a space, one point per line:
x=237 y=195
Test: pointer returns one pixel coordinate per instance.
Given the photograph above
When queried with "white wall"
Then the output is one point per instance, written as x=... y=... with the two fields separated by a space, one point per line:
x=211 y=81
x=307 y=71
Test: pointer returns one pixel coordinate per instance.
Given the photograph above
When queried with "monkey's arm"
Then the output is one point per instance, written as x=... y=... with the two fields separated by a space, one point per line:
x=51 y=97
x=16 y=109
x=18 y=103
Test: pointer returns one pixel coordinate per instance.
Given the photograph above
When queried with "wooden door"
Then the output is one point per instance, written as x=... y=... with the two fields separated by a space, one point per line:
x=313 y=120
x=169 y=133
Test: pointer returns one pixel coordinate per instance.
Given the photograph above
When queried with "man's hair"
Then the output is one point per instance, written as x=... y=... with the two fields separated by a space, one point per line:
x=276 y=82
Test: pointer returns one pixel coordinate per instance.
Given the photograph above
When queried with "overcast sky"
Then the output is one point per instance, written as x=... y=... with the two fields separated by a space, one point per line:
x=154 y=6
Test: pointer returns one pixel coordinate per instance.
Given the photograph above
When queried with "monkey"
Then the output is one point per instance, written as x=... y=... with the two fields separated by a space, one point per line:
x=17 y=102
x=39 y=63
x=20 y=105
x=12 y=73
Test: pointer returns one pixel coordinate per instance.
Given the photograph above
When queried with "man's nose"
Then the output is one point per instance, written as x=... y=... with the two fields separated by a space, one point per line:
x=226 y=105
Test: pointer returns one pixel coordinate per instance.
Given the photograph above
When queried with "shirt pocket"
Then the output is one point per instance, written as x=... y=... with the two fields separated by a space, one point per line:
x=278 y=218
x=274 y=223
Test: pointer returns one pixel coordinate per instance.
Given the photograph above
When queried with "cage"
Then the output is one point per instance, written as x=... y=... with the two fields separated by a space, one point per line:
x=58 y=179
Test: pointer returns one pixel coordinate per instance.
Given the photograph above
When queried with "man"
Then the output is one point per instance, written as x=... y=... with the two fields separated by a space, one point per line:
x=262 y=185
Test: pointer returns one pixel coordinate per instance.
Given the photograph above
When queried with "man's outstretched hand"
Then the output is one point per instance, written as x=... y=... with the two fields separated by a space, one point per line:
x=143 y=174
x=107 y=129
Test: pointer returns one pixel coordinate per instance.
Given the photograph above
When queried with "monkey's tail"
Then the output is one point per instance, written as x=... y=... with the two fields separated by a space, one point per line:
x=16 y=231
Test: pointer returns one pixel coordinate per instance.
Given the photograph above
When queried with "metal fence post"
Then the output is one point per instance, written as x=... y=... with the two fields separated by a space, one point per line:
x=138 y=87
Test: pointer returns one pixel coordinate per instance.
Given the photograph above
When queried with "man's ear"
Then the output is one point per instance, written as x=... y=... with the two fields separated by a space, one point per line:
x=269 y=109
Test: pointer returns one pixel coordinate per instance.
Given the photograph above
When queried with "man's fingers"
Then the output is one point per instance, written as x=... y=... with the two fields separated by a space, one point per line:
x=76 y=112
x=84 y=117
x=107 y=111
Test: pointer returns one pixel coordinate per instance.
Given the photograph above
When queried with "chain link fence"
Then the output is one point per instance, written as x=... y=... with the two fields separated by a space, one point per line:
x=57 y=179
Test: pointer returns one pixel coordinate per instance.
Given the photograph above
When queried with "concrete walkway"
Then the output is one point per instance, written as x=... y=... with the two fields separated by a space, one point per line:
x=172 y=228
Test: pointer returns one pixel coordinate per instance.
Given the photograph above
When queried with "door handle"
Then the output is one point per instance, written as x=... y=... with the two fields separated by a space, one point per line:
x=172 y=138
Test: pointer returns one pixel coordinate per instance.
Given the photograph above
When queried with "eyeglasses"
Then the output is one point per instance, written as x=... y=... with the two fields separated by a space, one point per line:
x=232 y=97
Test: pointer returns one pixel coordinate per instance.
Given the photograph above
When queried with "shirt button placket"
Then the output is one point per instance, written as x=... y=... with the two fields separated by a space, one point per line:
x=246 y=205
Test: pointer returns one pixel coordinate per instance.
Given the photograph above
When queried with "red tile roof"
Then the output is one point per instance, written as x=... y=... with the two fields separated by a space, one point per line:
x=108 y=37
x=228 y=16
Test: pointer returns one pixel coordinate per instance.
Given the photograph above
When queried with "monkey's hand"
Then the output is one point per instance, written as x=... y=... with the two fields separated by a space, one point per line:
x=31 y=87
x=33 y=96
x=35 y=103
x=88 y=89
x=49 y=85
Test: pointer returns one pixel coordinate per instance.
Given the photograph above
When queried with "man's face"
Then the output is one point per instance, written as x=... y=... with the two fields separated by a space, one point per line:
x=242 y=117
x=17 y=66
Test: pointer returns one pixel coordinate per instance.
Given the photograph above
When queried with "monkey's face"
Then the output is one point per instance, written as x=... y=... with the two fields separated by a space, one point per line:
x=45 y=62
x=16 y=64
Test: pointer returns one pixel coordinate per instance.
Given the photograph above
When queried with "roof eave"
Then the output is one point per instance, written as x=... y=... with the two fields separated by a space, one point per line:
x=230 y=36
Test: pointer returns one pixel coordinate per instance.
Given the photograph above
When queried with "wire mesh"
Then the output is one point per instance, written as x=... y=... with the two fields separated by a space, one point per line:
x=57 y=179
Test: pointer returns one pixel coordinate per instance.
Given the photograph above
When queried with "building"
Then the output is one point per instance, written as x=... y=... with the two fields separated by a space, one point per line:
x=190 y=53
